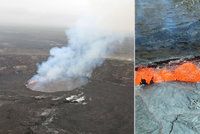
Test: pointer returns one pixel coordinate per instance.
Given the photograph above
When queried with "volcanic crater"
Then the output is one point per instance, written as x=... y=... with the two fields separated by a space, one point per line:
x=102 y=106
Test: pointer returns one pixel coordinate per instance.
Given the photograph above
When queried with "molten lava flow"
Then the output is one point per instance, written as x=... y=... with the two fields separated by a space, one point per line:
x=186 y=72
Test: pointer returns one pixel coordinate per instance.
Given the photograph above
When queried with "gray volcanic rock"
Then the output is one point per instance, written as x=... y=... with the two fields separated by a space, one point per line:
x=145 y=121
x=168 y=108
x=166 y=29
x=155 y=15
x=102 y=106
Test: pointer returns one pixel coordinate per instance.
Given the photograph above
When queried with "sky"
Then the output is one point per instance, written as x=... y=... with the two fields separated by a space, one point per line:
x=64 y=13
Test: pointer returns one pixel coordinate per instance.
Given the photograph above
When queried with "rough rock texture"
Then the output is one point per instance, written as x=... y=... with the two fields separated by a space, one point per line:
x=168 y=108
x=145 y=121
x=102 y=106
x=166 y=29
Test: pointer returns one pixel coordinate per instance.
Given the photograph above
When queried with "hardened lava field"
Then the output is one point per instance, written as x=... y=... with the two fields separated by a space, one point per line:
x=102 y=106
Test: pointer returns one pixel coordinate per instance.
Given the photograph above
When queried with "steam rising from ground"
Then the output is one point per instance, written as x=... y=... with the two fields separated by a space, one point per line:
x=95 y=34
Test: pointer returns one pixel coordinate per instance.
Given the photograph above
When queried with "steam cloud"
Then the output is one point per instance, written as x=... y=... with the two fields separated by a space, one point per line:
x=102 y=25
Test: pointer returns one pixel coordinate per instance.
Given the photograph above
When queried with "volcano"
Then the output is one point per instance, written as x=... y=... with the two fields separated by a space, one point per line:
x=103 y=105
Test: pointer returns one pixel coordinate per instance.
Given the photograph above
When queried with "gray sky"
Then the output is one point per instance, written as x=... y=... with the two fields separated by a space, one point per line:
x=40 y=12
x=62 y=13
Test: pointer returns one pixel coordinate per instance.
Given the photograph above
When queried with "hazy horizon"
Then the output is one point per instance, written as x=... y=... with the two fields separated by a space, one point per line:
x=63 y=13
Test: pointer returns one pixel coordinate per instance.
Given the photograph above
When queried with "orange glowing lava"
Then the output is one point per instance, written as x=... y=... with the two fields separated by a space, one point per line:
x=186 y=72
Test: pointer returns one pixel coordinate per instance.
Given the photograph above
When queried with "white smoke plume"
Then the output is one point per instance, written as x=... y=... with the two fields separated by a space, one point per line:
x=102 y=25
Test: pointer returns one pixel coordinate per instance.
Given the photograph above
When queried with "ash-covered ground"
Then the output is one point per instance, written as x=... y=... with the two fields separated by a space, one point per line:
x=103 y=106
